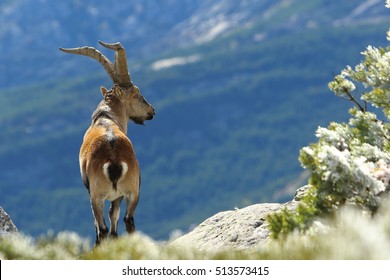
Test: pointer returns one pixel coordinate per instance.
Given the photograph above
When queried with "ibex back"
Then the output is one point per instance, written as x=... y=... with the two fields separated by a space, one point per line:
x=108 y=165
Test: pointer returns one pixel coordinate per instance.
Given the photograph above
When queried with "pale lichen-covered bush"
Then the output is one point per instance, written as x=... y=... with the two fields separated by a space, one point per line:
x=350 y=163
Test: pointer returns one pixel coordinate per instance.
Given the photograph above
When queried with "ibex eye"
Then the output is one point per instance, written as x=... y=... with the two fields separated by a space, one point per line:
x=136 y=96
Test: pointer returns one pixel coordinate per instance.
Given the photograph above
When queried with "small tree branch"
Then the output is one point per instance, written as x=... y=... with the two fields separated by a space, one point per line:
x=353 y=99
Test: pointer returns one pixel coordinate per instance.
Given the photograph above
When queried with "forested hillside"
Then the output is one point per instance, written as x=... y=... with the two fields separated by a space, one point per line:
x=238 y=90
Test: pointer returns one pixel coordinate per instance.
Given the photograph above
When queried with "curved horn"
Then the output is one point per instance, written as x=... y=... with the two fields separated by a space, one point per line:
x=120 y=63
x=95 y=54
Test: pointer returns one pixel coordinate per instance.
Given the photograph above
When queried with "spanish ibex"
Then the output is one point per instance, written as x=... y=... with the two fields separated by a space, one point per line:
x=109 y=168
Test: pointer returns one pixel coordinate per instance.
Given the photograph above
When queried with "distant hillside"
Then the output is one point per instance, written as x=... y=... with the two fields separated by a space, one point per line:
x=234 y=105
x=30 y=40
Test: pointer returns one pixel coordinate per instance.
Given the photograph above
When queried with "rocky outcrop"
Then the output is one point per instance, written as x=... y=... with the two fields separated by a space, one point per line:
x=6 y=225
x=244 y=228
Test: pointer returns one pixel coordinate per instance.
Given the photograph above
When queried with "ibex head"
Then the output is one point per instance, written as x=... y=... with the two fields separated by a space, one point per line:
x=137 y=108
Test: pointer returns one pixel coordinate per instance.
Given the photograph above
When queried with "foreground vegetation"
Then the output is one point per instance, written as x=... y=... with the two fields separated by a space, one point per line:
x=351 y=235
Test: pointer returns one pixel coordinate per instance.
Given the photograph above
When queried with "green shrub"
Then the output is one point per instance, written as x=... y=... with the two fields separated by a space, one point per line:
x=350 y=163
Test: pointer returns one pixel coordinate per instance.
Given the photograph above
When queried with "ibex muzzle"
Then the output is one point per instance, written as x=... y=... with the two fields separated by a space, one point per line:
x=108 y=165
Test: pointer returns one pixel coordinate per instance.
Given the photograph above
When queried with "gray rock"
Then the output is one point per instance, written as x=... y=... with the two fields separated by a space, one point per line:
x=244 y=228
x=301 y=192
x=6 y=225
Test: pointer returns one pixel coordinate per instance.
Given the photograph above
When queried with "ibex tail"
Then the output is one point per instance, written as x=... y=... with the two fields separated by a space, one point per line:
x=114 y=171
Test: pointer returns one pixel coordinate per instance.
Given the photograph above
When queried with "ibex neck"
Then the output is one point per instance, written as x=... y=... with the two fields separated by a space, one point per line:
x=114 y=110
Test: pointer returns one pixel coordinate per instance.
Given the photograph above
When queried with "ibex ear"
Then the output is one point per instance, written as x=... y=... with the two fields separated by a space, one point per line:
x=103 y=90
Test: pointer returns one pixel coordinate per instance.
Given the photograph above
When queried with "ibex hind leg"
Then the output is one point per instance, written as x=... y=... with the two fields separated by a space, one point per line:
x=100 y=223
x=114 y=216
x=131 y=204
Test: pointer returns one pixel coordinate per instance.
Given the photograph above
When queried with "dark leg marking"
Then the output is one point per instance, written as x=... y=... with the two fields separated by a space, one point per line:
x=129 y=222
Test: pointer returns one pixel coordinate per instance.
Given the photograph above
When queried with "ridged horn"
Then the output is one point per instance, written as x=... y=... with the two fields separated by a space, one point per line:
x=120 y=63
x=117 y=71
x=98 y=56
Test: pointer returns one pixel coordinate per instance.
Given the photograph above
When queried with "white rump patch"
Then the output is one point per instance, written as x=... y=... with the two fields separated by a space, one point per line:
x=105 y=170
x=125 y=168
